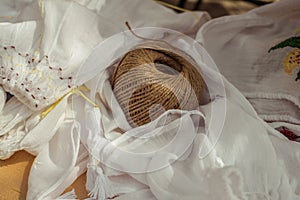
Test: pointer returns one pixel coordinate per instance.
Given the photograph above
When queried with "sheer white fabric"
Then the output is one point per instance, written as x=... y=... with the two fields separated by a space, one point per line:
x=248 y=162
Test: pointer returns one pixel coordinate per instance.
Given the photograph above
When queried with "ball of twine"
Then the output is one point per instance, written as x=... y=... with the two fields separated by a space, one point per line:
x=151 y=79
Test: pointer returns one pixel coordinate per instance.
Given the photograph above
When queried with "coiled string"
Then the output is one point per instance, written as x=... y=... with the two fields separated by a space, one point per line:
x=151 y=79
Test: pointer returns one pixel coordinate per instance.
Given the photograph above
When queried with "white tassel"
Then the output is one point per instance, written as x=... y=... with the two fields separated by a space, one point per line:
x=68 y=195
x=98 y=184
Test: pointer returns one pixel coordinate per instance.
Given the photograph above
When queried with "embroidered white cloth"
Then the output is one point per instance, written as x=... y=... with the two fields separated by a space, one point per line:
x=39 y=59
x=43 y=43
x=239 y=45
x=249 y=160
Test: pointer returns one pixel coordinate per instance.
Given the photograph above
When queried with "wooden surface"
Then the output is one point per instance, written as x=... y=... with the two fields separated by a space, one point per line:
x=14 y=177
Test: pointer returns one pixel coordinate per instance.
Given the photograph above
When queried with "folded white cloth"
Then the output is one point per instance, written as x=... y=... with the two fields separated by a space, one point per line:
x=145 y=14
x=247 y=161
x=61 y=34
x=59 y=163
x=244 y=159
x=45 y=30
x=39 y=65
x=250 y=160
x=239 y=45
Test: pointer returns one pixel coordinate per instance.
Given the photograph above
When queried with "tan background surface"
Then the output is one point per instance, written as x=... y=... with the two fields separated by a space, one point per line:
x=14 y=177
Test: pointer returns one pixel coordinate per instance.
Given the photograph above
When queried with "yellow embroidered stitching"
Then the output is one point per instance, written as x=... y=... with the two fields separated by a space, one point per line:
x=73 y=91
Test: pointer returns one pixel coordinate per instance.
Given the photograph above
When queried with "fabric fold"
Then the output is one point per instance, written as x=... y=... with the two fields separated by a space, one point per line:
x=57 y=164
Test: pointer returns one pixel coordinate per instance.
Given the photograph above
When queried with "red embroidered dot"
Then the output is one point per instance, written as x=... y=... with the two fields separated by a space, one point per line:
x=27 y=84
x=289 y=134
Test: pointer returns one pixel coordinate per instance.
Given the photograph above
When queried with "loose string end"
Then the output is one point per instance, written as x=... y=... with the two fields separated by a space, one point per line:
x=133 y=33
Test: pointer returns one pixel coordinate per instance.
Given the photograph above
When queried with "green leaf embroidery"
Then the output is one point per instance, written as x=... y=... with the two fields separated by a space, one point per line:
x=290 y=42
x=298 y=76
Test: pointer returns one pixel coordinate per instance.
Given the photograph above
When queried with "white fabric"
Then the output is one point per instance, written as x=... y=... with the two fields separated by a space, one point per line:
x=145 y=14
x=12 y=126
x=101 y=84
x=66 y=32
x=239 y=45
x=248 y=161
x=42 y=77
x=19 y=10
x=31 y=51
x=2 y=98
x=62 y=160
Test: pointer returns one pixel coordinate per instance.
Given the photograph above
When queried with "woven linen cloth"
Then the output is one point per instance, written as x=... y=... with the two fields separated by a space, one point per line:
x=239 y=45
x=63 y=33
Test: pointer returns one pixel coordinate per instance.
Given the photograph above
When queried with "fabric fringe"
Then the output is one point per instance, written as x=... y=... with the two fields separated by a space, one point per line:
x=68 y=195
x=98 y=184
